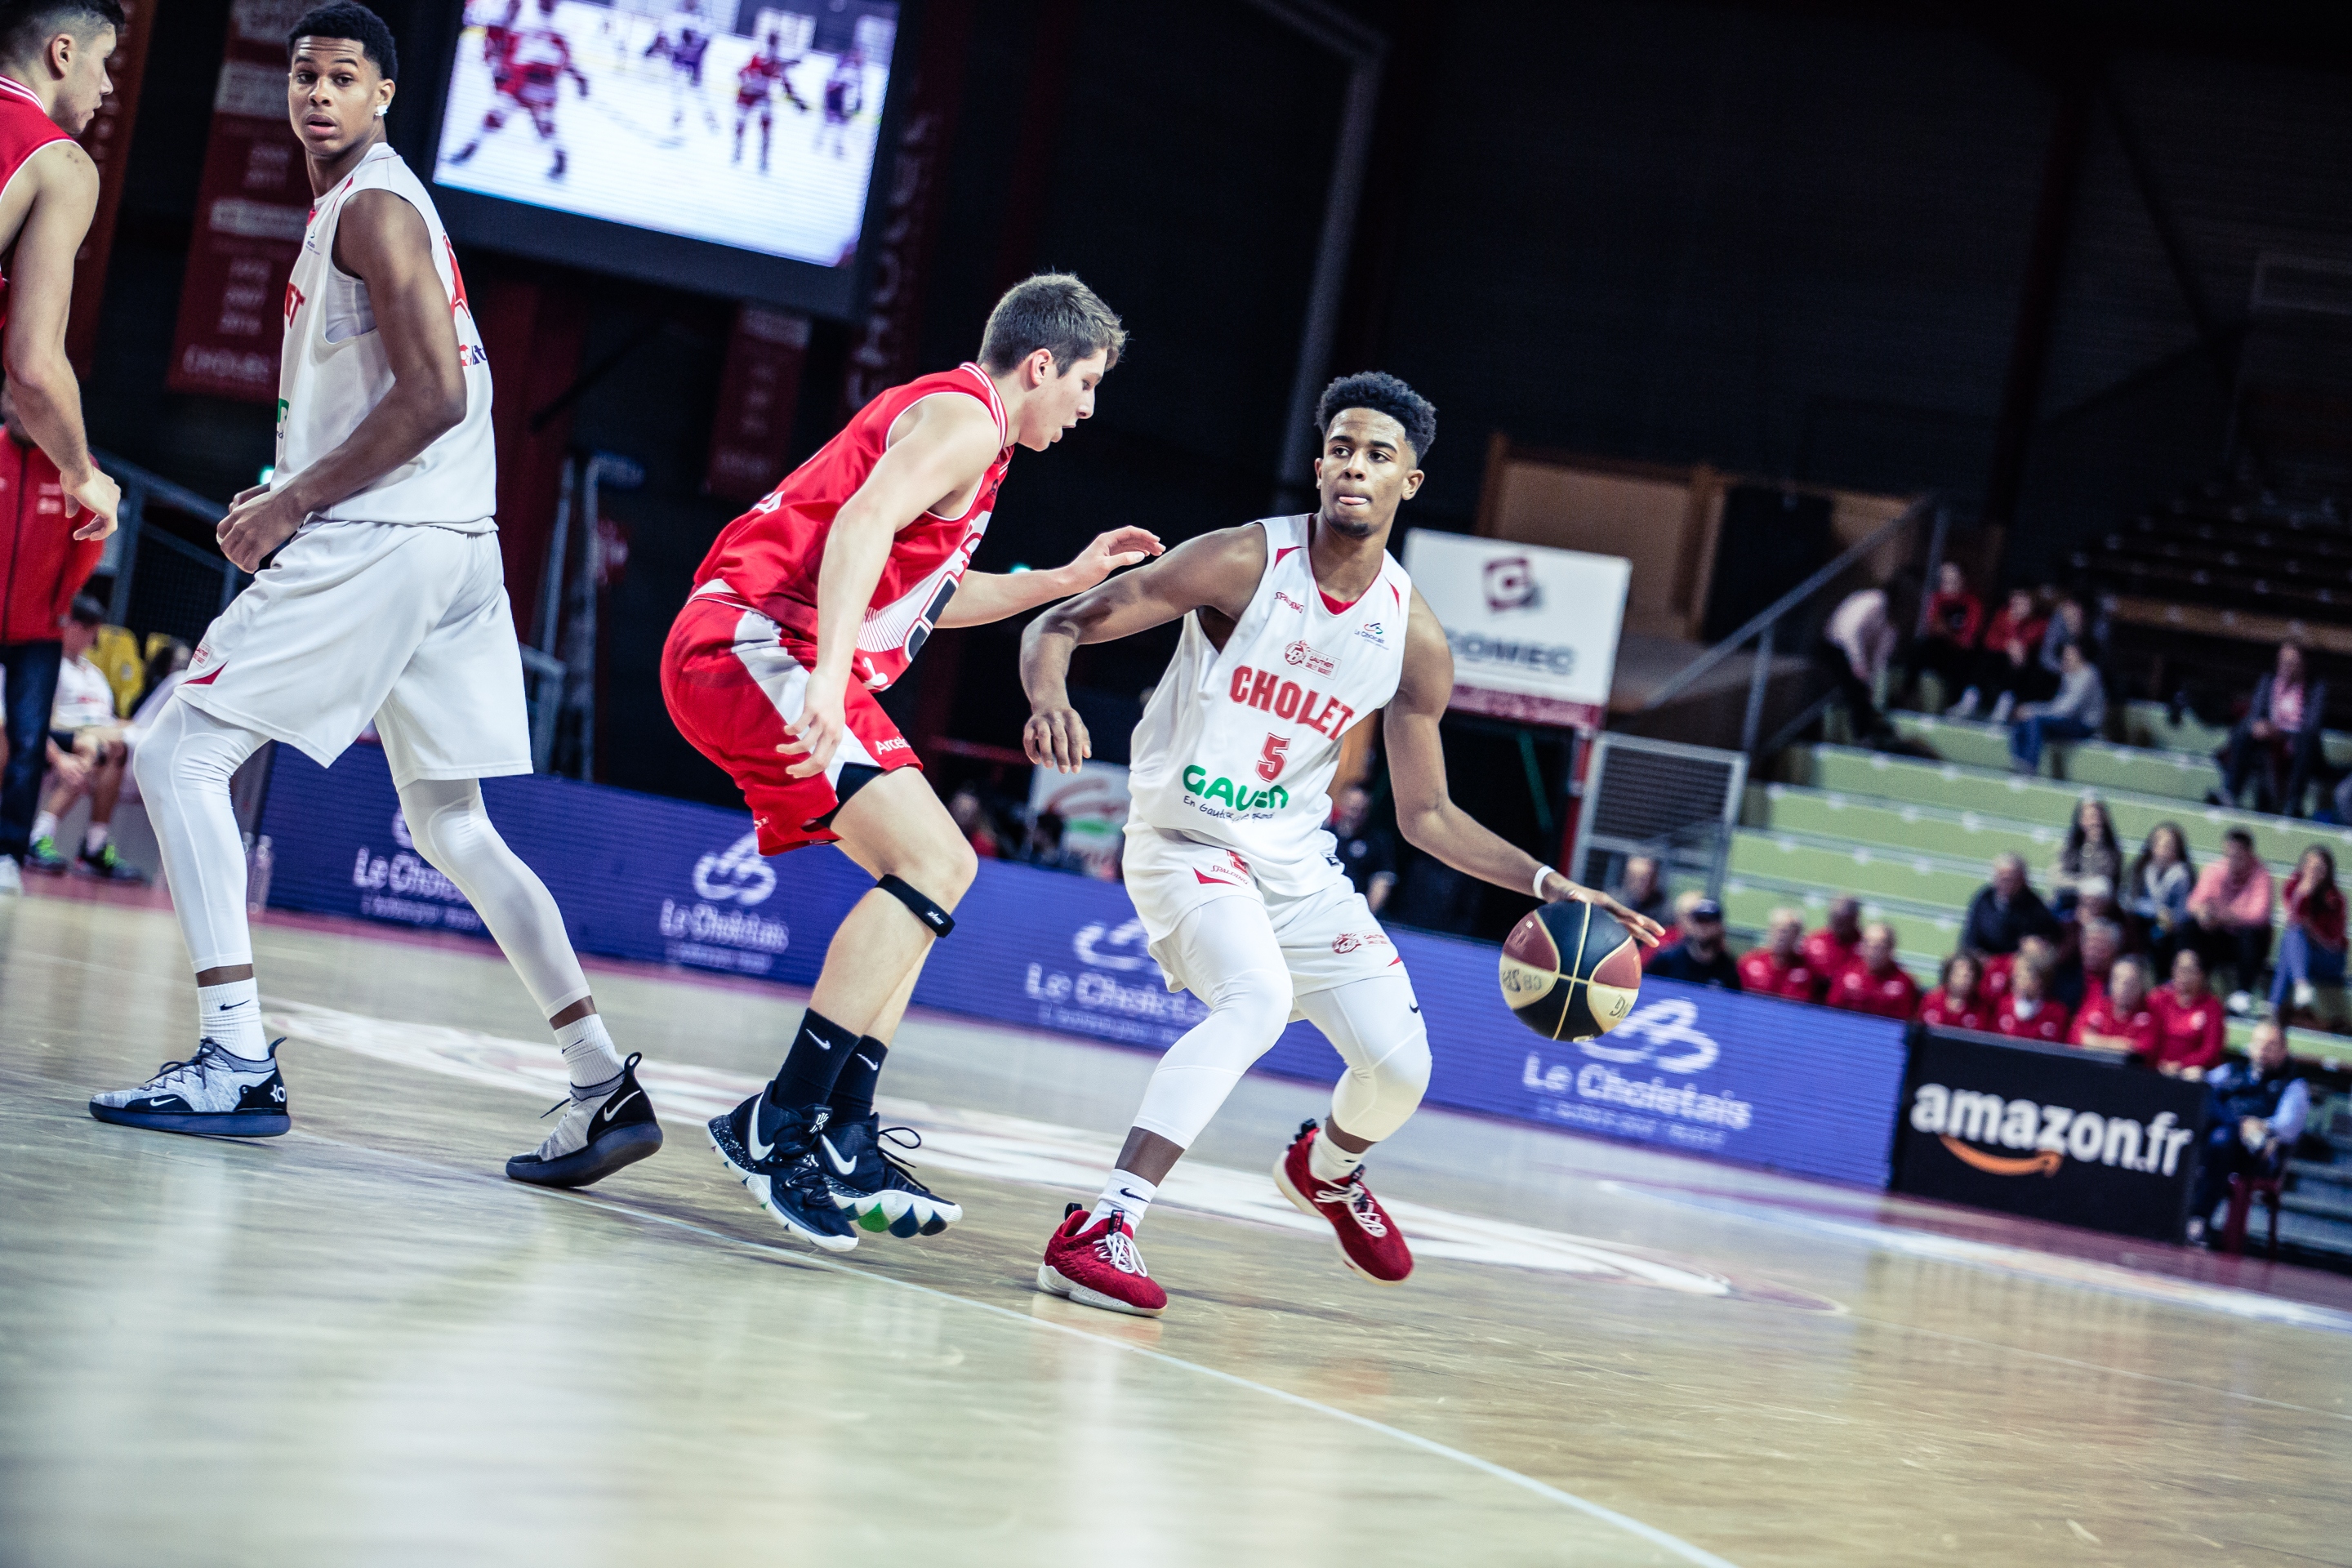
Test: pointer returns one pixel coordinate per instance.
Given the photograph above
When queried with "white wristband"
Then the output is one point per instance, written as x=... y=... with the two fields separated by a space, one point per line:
x=1542 y=872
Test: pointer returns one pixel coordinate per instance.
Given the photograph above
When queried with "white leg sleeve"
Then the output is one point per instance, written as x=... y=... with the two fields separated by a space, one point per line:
x=183 y=768
x=1226 y=953
x=1378 y=1030
x=450 y=829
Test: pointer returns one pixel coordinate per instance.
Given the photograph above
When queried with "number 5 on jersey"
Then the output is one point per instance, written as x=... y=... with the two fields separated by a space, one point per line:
x=1270 y=760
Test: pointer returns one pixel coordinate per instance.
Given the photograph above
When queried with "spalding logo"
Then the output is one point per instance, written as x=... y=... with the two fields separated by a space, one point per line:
x=736 y=873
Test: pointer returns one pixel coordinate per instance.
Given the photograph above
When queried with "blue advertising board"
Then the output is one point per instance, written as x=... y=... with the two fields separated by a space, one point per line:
x=1753 y=1079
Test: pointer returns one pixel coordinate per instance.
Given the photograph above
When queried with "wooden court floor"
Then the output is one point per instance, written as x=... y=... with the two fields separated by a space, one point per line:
x=360 y=1344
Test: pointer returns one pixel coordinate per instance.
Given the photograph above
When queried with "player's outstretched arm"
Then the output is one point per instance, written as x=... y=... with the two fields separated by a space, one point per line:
x=1426 y=812
x=986 y=597
x=947 y=451
x=40 y=297
x=1217 y=571
x=383 y=241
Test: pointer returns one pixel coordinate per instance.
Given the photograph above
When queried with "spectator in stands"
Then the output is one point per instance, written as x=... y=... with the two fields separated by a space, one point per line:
x=2009 y=665
x=1685 y=902
x=2029 y=1012
x=1958 y=1002
x=1778 y=967
x=970 y=818
x=1874 y=982
x=2311 y=949
x=1830 y=949
x=2006 y=911
x=1857 y=643
x=42 y=568
x=2120 y=1018
x=2090 y=852
x=1041 y=845
x=2232 y=905
x=2275 y=748
x=87 y=755
x=1366 y=853
x=1947 y=648
x=2155 y=892
x=2076 y=714
x=1700 y=956
x=2068 y=626
x=1643 y=890
x=2189 y=1020
x=2080 y=974
x=2255 y=1112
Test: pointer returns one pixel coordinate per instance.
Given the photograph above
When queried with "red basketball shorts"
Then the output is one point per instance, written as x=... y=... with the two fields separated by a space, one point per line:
x=732 y=679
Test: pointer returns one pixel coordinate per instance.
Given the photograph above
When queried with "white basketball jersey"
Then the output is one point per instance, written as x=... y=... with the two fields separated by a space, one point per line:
x=1238 y=745
x=335 y=370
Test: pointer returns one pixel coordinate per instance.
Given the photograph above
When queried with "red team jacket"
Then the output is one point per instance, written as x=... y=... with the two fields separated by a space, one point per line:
x=2189 y=1035
x=42 y=565
x=1762 y=974
x=769 y=556
x=1940 y=1012
x=2048 y=1023
x=1894 y=994
x=2099 y=1016
x=1828 y=957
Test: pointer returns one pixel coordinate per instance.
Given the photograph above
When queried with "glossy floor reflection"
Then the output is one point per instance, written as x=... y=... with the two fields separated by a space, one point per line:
x=359 y=1344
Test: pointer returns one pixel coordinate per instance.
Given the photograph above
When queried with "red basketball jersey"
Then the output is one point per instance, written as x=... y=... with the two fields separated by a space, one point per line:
x=769 y=556
x=24 y=129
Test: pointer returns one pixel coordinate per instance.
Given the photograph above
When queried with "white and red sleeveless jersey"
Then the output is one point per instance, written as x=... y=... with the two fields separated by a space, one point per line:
x=1237 y=745
x=334 y=370
x=769 y=556
x=24 y=129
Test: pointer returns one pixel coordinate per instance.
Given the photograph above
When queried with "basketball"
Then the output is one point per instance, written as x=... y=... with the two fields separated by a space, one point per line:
x=1571 y=971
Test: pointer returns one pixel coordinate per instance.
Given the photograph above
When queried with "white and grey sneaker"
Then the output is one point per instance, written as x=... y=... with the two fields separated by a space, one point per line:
x=12 y=876
x=605 y=1127
x=212 y=1093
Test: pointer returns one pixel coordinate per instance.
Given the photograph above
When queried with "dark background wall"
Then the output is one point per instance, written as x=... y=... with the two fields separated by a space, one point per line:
x=1788 y=239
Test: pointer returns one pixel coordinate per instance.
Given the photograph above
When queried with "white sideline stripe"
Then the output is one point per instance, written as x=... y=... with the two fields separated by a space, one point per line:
x=1610 y=1516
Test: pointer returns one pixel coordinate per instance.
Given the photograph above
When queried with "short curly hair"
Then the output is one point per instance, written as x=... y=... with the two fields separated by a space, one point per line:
x=355 y=23
x=1382 y=393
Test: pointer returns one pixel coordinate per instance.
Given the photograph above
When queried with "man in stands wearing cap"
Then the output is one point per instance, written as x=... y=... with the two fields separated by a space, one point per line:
x=1700 y=956
x=1778 y=967
x=1874 y=982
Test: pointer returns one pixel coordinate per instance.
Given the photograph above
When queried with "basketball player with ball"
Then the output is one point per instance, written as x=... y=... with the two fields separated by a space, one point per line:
x=1295 y=630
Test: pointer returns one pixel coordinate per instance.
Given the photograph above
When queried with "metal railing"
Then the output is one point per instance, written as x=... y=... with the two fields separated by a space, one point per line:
x=163 y=583
x=1766 y=628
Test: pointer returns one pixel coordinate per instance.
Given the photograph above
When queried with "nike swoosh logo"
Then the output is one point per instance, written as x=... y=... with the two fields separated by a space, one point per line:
x=1414 y=1006
x=758 y=1150
x=612 y=1105
x=1124 y=1193
x=869 y=1061
x=834 y=1154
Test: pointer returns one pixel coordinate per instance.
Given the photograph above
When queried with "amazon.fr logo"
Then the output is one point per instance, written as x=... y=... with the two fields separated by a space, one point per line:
x=2026 y=1138
x=735 y=873
x=1511 y=584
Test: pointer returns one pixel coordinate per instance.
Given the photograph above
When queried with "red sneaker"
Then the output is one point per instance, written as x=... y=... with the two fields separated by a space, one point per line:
x=1094 y=1263
x=1369 y=1241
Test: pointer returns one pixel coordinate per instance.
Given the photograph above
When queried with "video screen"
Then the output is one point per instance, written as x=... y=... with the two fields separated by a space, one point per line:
x=741 y=122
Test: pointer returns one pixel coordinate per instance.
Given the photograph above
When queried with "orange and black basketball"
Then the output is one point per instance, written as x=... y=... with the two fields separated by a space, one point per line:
x=1571 y=971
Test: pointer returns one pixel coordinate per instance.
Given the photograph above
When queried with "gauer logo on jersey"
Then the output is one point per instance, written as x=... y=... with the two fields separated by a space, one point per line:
x=1264 y=689
x=1243 y=796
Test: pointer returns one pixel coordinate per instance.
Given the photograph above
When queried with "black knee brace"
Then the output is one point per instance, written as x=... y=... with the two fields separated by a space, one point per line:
x=930 y=914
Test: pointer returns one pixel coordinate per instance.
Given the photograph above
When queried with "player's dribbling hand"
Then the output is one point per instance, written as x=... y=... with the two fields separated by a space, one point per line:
x=259 y=523
x=1109 y=552
x=1056 y=737
x=817 y=732
x=1645 y=930
x=98 y=496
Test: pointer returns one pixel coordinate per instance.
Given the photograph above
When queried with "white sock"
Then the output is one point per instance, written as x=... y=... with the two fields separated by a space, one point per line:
x=230 y=1016
x=1126 y=1193
x=94 y=839
x=1327 y=1162
x=45 y=825
x=588 y=1053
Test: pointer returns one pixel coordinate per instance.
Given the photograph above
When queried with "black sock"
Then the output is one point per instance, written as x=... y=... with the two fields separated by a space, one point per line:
x=819 y=1051
x=853 y=1091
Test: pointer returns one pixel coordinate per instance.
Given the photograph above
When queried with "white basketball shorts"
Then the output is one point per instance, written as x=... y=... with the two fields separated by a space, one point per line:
x=404 y=624
x=1329 y=936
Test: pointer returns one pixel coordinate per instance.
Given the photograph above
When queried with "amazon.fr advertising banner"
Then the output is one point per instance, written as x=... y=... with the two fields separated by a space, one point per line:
x=2050 y=1133
x=1752 y=1079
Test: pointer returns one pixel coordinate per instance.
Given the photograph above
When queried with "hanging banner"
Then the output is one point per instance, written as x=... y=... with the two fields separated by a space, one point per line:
x=252 y=204
x=1534 y=630
x=758 y=393
x=107 y=139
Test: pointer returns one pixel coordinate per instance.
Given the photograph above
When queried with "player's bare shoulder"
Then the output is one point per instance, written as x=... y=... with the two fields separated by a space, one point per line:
x=1221 y=569
x=1426 y=682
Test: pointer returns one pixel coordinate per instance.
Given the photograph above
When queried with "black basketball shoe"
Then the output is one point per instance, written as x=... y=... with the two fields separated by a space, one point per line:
x=212 y=1093
x=874 y=1186
x=600 y=1133
x=771 y=1149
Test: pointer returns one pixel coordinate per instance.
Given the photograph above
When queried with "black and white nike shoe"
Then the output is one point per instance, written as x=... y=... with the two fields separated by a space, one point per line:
x=602 y=1129
x=874 y=1186
x=212 y=1093
x=772 y=1149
